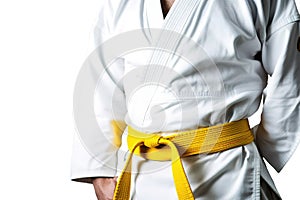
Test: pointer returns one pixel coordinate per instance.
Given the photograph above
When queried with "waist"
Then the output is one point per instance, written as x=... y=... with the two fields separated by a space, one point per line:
x=172 y=146
x=190 y=142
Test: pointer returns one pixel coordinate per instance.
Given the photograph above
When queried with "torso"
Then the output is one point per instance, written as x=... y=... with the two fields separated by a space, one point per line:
x=166 y=5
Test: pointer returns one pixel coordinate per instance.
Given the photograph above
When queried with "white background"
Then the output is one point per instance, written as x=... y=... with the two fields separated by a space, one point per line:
x=42 y=47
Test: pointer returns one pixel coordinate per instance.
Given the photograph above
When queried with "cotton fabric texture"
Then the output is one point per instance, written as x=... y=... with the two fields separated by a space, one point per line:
x=253 y=44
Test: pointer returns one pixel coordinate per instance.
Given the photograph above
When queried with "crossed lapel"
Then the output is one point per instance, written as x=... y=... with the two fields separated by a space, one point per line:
x=172 y=29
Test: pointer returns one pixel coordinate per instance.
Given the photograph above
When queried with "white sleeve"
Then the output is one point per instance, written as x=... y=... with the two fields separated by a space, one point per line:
x=95 y=155
x=278 y=134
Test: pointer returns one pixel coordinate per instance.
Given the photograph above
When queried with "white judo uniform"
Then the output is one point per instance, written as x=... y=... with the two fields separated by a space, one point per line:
x=253 y=45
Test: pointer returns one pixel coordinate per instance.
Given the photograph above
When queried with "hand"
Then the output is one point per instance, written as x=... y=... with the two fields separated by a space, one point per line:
x=105 y=187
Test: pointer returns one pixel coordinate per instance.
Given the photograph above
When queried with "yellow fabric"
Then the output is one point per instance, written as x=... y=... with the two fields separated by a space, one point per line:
x=118 y=127
x=173 y=145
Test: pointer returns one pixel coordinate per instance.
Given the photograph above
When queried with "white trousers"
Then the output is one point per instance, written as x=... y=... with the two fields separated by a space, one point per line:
x=229 y=175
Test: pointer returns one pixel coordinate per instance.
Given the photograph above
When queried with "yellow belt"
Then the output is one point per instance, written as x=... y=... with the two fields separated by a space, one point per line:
x=172 y=146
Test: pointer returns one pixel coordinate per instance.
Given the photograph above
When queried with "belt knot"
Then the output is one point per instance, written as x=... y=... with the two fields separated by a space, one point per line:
x=203 y=140
x=153 y=141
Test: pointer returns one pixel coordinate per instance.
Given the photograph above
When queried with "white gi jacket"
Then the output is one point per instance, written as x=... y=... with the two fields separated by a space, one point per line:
x=247 y=40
